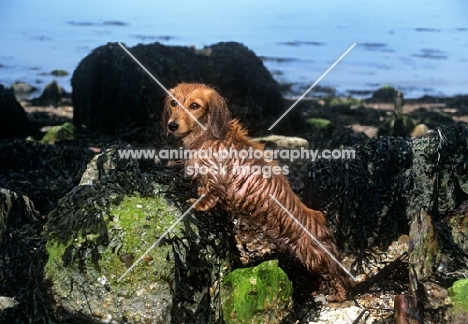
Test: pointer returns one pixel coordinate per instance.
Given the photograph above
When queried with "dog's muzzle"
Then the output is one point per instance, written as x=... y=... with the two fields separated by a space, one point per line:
x=173 y=126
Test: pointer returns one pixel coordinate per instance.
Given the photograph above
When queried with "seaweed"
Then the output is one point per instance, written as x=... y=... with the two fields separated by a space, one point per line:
x=21 y=270
x=365 y=199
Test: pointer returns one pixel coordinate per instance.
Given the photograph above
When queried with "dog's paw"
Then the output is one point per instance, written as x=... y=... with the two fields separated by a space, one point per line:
x=334 y=290
x=203 y=204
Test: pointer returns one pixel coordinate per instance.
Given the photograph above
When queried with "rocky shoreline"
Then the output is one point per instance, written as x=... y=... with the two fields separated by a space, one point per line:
x=55 y=186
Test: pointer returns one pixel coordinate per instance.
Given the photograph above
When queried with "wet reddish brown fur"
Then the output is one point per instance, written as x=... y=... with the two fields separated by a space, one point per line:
x=243 y=194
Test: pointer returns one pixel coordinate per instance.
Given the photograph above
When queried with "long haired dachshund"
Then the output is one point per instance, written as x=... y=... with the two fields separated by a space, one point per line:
x=247 y=194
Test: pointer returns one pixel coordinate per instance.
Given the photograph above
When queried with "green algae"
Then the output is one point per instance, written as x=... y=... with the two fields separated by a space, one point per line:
x=136 y=224
x=459 y=293
x=132 y=226
x=345 y=102
x=59 y=133
x=319 y=122
x=261 y=294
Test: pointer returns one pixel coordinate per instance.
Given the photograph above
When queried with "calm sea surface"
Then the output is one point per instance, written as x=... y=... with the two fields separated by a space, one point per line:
x=418 y=46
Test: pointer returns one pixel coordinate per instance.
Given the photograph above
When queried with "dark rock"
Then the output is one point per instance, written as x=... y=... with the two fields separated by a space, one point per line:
x=113 y=95
x=59 y=73
x=460 y=102
x=14 y=121
x=399 y=124
x=51 y=96
x=431 y=118
x=384 y=94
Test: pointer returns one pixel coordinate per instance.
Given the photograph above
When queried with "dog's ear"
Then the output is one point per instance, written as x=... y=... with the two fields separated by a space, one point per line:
x=218 y=115
x=166 y=114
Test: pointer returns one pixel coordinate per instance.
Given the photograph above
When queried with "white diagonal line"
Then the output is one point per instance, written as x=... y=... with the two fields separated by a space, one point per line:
x=312 y=86
x=161 y=85
x=314 y=238
x=160 y=238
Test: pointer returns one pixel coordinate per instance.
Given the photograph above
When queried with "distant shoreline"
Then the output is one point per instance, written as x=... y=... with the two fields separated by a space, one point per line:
x=290 y=91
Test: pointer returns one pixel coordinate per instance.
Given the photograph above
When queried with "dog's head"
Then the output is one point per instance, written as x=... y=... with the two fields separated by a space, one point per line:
x=201 y=105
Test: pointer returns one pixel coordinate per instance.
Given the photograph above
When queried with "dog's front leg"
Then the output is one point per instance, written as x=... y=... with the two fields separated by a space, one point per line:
x=209 y=200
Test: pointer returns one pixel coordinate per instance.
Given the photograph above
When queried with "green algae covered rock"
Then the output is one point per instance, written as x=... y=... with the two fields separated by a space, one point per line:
x=85 y=271
x=59 y=133
x=262 y=294
x=112 y=220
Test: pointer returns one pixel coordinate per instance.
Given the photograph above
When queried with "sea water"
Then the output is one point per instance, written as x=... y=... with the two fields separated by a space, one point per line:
x=418 y=46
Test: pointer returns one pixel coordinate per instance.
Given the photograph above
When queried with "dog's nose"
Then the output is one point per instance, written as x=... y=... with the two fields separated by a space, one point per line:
x=172 y=126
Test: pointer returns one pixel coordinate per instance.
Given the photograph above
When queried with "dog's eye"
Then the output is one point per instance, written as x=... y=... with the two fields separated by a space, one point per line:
x=173 y=103
x=194 y=106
